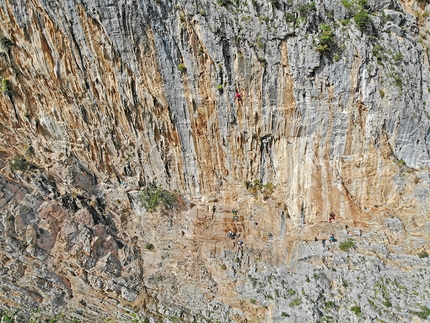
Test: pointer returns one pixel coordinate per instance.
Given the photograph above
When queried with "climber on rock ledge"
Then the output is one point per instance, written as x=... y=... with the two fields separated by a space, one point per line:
x=331 y=217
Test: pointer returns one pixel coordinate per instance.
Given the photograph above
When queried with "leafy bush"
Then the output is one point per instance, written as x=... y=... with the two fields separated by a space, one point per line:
x=398 y=57
x=5 y=85
x=387 y=303
x=220 y=87
x=345 y=246
x=423 y=254
x=345 y=22
x=305 y=10
x=182 y=68
x=362 y=19
x=424 y=314
x=398 y=81
x=149 y=246
x=224 y=3
x=348 y=4
x=354 y=5
x=326 y=39
x=19 y=164
x=296 y=302
x=290 y=17
x=256 y=186
x=401 y=162
x=152 y=197
x=262 y=60
x=356 y=309
x=329 y=305
x=6 y=317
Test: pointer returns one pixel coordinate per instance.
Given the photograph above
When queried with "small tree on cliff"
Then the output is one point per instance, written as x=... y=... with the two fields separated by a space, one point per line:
x=152 y=197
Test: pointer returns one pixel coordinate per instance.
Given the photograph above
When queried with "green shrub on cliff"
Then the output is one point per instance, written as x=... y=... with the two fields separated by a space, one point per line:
x=224 y=3
x=7 y=317
x=153 y=197
x=5 y=85
x=19 y=164
x=423 y=254
x=345 y=246
x=325 y=39
x=362 y=19
x=182 y=67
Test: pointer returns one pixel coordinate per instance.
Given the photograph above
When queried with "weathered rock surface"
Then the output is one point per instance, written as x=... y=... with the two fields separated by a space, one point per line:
x=106 y=98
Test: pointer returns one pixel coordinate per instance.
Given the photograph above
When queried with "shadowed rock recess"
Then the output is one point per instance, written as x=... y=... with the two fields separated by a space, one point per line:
x=252 y=121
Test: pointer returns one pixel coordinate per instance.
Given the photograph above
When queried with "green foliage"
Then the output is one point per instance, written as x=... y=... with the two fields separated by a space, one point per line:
x=7 y=317
x=326 y=39
x=387 y=303
x=182 y=68
x=355 y=5
x=182 y=18
x=253 y=301
x=262 y=60
x=401 y=162
x=224 y=3
x=423 y=254
x=345 y=22
x=398 y=57
x=296 y=302
x=149 y=246
x=356 y=309
x=398 y=81
x=381 y=93
x=285 y=314
x=345 y=246
x=220 y=88
x=348 y=4
x=378 y=52
x=153 y=197
x=362 y=19
x=363 y=3
x=5 y=85
x=256 y=186
x=291 y=292
x=290 y=17
x=305 y=10
x=223 y=267
x=329 y=305
x=258 y=41
x=424 y=313
x=19 y=164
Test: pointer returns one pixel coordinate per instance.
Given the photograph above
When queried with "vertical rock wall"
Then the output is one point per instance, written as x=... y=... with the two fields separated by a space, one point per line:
x=102 y=82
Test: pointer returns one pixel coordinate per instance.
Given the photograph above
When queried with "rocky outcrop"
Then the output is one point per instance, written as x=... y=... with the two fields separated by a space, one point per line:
x=101 y=100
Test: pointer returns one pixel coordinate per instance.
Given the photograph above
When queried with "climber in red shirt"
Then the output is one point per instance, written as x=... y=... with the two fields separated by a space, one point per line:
x=238 y=97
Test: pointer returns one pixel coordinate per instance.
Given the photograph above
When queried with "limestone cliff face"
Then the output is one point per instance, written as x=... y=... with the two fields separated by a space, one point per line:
x=102 y=83
x=107 y=97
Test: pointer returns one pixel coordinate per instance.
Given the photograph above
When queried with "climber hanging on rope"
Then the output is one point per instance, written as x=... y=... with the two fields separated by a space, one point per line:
x=238 y=97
